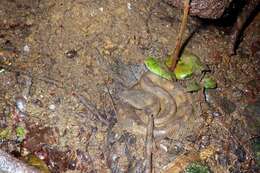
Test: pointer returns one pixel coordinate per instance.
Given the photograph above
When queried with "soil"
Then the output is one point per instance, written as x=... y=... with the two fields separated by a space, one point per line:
x=64 y=64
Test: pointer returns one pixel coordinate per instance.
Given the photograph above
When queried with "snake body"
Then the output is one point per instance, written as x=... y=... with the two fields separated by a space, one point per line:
x=157 y=96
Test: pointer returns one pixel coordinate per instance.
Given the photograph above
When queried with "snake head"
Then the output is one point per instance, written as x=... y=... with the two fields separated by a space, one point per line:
x=139 y=99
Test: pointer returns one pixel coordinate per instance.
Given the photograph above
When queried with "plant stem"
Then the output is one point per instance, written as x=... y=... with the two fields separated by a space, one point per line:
x=149 y=145
x=175 y=56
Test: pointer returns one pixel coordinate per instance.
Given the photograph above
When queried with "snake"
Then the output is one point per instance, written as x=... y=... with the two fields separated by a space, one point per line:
x=153 y=95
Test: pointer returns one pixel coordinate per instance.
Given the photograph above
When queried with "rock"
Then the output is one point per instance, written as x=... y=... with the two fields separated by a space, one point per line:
x=52 y=107
x=21 y=104
x=212 y=9
x=10 y=164
x=26 y=49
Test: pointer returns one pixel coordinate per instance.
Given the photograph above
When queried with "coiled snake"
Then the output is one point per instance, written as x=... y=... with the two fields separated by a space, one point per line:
x=170 y=105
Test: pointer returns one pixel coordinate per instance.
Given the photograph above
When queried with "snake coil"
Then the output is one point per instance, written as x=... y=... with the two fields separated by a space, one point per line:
x=167 y=101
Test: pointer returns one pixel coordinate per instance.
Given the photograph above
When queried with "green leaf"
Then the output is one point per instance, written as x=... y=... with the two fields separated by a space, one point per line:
x=209 y=83
x=193 y=86
x=20 y=133
x=158 y=68
x=187 y=65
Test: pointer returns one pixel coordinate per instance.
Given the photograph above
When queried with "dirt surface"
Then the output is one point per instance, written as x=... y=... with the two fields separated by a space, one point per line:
x=64 y=64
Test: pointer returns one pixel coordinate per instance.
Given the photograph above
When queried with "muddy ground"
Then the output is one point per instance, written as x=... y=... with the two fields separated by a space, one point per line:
x=65 y=62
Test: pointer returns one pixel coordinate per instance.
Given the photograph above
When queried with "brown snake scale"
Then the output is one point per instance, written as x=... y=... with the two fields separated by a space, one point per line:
x=170 y=105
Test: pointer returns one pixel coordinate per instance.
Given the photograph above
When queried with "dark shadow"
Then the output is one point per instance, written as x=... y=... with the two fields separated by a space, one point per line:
x=249 y=19
x=186 y=40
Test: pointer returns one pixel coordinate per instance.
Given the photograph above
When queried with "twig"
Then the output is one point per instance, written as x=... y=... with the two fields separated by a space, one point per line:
x=175 y=56
x=91 y=108
x=149 y=145
x=111 y=99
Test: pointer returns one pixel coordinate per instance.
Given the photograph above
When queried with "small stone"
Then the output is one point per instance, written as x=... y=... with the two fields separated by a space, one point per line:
x=21 y=104
x=205 y=141
x=94 y=129
x=216 y=114
x=52 y=107
x=164 y=147
x=71 y=54
x=101 y=9
x=129 y=6
x=26 y=48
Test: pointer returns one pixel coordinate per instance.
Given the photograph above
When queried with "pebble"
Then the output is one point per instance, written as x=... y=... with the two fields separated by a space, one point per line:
x=71 y=54
x=216 y=114
x=52 y=107
x=101 y=9
x=129 y=6
x=94 y=129
x=26 y=48
x=164 y=147
x=21 y=104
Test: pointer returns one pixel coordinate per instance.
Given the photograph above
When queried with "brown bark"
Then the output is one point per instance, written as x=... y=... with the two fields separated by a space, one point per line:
x=176 y=52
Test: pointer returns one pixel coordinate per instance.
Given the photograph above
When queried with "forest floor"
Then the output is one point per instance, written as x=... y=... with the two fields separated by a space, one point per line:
x=64 y=64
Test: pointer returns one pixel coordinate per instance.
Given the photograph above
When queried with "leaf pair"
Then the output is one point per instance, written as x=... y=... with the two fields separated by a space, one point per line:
x=187 y=65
